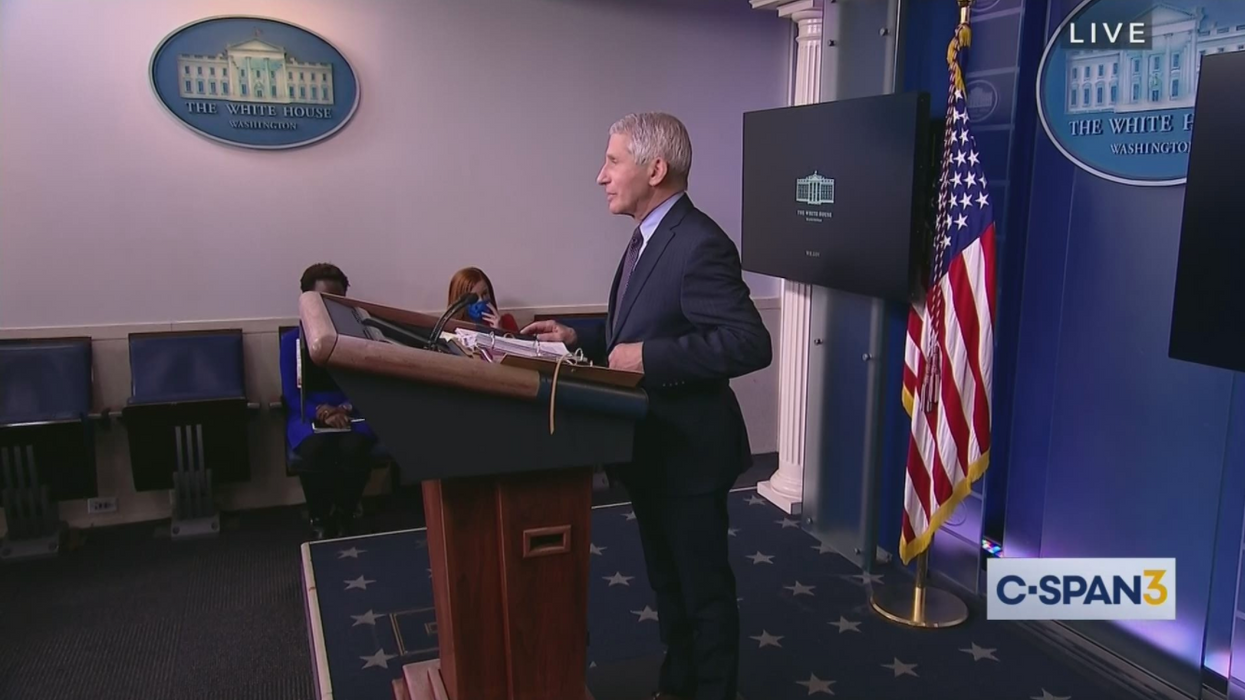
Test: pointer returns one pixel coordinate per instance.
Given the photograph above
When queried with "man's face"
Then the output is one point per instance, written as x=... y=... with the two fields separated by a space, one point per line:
x=626 y=182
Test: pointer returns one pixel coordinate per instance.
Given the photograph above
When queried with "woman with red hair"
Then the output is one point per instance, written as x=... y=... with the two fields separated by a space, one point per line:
x=484 y=311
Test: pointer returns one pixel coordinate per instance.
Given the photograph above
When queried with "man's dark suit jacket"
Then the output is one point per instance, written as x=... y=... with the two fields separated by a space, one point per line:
x=687 y=302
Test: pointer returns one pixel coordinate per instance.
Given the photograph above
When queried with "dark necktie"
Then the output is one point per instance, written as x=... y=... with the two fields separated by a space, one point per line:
x=633 y=254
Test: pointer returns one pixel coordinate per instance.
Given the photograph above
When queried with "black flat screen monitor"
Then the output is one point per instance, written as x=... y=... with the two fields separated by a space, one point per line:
x=1208 y=312
x=833 y=193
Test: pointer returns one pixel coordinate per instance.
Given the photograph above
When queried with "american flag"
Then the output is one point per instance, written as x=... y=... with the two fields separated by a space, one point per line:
x=949 y=355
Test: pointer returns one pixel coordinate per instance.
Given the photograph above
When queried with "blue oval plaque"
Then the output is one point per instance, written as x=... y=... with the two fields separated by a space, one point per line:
x=1118 y=79
x=254 y=82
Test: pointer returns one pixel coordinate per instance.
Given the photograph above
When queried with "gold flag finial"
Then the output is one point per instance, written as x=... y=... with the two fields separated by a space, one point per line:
x=962 y=39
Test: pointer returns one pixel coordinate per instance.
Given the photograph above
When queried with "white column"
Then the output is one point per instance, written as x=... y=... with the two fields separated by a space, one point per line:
x=786 y=487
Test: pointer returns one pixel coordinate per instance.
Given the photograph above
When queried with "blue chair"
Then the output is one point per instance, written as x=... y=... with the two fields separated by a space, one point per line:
x=47 y=447
x=186 y=420
x=380 y=455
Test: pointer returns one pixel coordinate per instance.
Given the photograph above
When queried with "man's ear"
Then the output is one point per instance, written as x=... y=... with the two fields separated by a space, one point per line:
x=657 y=172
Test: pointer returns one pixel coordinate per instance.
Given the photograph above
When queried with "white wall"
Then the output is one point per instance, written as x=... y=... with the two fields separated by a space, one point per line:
x=114 y=218
x=112 y=212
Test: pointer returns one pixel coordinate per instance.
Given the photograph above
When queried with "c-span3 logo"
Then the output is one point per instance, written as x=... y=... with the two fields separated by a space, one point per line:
x=1117 y=83
x=1081 y=589
x=254 y=82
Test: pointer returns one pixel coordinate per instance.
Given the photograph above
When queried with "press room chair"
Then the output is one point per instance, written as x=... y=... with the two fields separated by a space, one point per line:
x=47 y=439
x=380 y=456
x=186 y=421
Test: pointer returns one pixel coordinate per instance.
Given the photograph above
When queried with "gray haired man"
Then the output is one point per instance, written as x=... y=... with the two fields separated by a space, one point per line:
x=679 y=312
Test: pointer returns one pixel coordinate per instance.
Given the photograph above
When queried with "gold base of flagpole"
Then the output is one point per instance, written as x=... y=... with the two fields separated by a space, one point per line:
x=919 y=605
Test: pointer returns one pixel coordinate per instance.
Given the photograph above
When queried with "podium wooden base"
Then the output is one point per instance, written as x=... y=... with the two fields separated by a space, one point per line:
x=509 y=559
x=422 y=681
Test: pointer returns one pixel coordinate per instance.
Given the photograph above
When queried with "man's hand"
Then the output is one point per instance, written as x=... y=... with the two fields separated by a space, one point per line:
x=338 y=420
x=551 y=331
x=628 y=356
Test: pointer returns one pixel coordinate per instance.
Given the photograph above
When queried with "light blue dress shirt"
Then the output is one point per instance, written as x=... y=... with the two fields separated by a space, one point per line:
x=650 y=223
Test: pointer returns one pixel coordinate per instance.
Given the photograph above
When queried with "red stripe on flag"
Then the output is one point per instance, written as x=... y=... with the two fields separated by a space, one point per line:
x=937 y=473
x=987 y=254
x=966 y=314
x=918 y=475
x=954 y=412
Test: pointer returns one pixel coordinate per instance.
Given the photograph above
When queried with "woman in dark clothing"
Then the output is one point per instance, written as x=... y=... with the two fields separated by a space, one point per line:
x=333 y=466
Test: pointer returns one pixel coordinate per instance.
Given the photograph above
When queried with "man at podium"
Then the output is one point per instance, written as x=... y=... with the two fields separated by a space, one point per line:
x=680 y=312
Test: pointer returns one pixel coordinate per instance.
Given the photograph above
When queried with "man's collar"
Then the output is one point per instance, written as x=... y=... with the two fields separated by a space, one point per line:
x=650 y=223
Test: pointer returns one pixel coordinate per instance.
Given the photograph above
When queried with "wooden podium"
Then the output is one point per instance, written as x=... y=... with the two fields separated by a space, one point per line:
x=507 y=494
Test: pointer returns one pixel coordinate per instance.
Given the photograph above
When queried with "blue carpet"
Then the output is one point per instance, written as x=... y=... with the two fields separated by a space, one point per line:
x=806 y=625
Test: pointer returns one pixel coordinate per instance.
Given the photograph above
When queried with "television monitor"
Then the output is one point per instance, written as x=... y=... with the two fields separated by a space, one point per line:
x=1209 y=303
x=836 y=194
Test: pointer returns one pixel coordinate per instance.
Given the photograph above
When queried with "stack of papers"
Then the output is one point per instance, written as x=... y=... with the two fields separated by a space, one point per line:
x=497 y=346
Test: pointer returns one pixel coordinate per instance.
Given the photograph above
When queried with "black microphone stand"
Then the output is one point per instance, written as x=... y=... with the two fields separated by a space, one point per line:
x=434 y=339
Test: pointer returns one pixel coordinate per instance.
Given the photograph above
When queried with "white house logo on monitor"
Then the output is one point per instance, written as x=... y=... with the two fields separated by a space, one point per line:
x=254 y=82
x=814 y=189
x=982 y=100
x=1124 y=109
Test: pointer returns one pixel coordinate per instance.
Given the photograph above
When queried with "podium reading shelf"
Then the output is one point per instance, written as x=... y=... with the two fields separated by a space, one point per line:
x=507 y=502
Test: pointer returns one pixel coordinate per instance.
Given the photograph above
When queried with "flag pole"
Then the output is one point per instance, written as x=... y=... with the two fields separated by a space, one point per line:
x=919 y=605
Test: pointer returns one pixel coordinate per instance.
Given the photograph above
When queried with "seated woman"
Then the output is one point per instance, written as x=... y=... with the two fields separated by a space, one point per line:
x=472 y=279
x=333 y=466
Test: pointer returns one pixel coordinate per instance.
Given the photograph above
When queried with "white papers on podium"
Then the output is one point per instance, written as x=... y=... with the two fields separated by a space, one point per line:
x=500 y=345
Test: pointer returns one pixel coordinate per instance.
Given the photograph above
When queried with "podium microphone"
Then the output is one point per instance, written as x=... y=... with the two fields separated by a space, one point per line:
x=463 y=302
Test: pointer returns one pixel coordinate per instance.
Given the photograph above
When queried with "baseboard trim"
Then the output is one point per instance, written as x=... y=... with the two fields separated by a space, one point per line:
x=1098 y=662
x=269 y=324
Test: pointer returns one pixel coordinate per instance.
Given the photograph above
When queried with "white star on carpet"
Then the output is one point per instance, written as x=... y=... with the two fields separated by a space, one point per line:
x=1047 y=696
x=755 y=500
x=359 y=583
x=846 y=625
x=816 y=685
x=380 y=658
x=599 y=551
x=823 y=548
x=592 y=665
x=900 y=668
x=732 y=531
x=629 y=515
x=787 y=522
x=980 y=653
x=767 y=640
x=800 y=589
x=646 y=614
x=353 y=553
x=367 y=618
x=759 y=558
x=618 y=579
x=867 y=579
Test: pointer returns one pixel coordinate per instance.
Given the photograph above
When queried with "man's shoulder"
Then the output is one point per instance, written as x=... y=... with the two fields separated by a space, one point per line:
x=695 y=222
x=698 y=229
